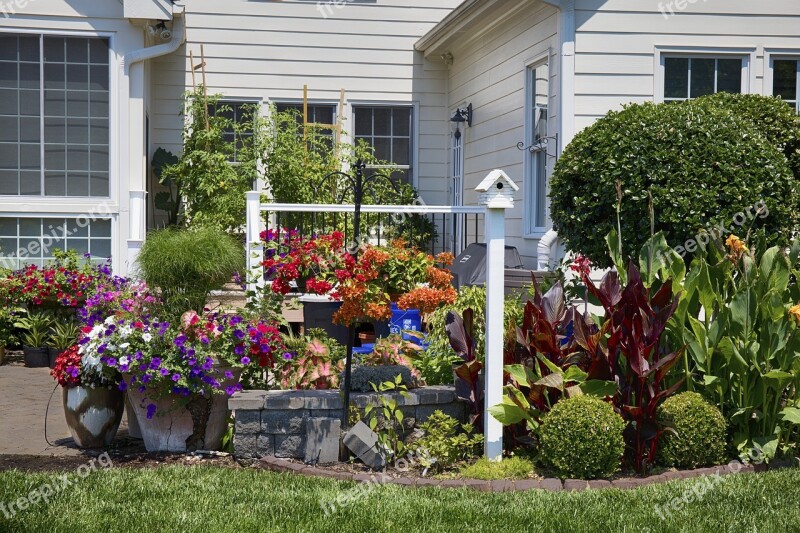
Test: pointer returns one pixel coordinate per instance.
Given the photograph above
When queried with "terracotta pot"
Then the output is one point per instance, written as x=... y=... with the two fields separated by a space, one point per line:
x=36 y=357
x=2 y=355
x=173 y=428
x=93 y=415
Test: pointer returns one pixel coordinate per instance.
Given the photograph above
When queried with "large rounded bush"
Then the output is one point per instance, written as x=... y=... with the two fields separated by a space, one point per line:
x=704 y=161
x=185 y=265
x=700 y=428
x=581 y=438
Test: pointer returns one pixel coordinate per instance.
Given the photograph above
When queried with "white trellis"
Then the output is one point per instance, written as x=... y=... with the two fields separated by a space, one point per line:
x=496 y=196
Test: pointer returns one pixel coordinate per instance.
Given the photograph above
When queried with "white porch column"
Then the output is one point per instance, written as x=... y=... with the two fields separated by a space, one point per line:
x=137 y=226
x=254 y=246
x=497 y=194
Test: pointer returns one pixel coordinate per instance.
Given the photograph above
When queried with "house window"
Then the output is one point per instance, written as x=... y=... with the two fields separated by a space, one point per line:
x=786 y=81
x=34 y=241
x=689 y=77
x=239 y=113
x=536 y=136
x=317 y=114
x=389 y=130
x=54 y=116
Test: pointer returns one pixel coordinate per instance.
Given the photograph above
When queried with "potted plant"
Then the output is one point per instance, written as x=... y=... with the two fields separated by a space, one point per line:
x=93 y=402
x=35 y=327
x=63 y=335
x=7 y=337
x=179 y=376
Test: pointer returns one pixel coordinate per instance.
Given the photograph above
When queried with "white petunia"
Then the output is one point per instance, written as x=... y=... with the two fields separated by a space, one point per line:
x=147 y=337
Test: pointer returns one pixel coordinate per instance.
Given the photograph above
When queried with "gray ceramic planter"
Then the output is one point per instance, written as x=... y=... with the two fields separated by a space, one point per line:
x=93 y=415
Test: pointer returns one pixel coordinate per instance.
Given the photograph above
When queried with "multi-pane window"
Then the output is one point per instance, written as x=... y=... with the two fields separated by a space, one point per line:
x=238 y=113
x=317 y=114
x=35 y=240
x=690 y=77
x=54 y=115
x=390 y=131
x=786 y=81
x=538 y=95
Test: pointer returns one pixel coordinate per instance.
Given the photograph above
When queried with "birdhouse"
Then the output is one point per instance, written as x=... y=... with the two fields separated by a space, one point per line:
x=497 y=190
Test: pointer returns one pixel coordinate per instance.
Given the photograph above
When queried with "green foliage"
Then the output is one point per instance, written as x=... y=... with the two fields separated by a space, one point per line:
x=35 y=328
x=581 y=438
x=738 y=319
x=446 y=441
x=508 y=468
x=214 y=171
x=185 y=265
x=64 y=334
x=7 y=320
x=387 y=418
x=435 y=364
x=704 y=161
x=699 y=432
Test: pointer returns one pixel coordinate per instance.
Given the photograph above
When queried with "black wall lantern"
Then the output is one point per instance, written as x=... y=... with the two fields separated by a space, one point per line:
x=463 y=115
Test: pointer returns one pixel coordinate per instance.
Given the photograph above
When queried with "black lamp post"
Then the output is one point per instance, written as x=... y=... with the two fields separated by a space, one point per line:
x=359 y=184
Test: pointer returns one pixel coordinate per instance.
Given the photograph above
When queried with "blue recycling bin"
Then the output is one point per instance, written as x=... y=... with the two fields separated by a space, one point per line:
x=405 y=320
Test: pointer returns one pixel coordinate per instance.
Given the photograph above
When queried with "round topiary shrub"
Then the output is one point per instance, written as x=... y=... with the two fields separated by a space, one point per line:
x=581 y=438
x=706 y=162
x=700 y=428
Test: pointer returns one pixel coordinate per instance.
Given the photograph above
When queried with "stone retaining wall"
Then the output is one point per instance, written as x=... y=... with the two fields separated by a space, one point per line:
x=282 y=423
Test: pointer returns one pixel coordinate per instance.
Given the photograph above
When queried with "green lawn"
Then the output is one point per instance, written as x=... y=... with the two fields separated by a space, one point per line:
x=209 y=499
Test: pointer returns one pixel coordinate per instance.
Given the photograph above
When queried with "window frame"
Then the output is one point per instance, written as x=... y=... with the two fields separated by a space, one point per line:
x=747 y=55
x=413 y=137
x=529 y=163
x=778 y=54
x=77 y=204
x=228 y=100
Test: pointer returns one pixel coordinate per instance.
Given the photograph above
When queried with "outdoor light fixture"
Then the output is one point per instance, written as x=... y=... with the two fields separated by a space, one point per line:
x=463 y=115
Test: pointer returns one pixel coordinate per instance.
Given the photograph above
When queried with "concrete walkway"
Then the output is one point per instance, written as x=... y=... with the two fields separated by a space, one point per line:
x=24 y=395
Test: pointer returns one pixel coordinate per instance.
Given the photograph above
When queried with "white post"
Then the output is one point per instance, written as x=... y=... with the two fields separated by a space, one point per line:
x=137 y=225
x=497 y=195
x=254 y=246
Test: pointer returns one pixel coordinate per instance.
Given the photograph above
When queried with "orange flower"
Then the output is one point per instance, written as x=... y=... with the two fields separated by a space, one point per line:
x=736 y=246
x=794 y=312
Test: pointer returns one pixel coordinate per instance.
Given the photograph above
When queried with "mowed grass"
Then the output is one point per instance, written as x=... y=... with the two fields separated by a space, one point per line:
x=211 y=499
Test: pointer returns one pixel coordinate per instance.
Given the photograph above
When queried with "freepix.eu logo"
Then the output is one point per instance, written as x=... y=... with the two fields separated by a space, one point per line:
x=668 y=9
x=10 y=7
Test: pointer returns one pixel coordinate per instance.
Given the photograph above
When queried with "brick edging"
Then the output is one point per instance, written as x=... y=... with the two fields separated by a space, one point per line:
x=549 y=484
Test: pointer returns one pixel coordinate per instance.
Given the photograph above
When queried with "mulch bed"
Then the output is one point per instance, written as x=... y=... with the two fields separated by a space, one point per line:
x=43 y=463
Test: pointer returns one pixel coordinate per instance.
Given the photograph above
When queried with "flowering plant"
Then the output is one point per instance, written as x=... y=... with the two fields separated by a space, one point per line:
x=73 y=369
x=303 y=260
x=201 y=355
x=63 y=283
x=366 y=286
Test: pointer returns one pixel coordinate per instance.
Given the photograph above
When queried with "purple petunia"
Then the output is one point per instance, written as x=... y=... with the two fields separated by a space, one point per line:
x=164 y=371
x=238 y=350
x=123 y=386
x=245 y=360
x=151 y=410
x=176 y=377
x=228 y=374
x=288 y=356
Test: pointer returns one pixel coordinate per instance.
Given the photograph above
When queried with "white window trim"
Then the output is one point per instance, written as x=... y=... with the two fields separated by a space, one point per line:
x=528 y=229
x=80 y=204
x=770 y=55
x=351 y=135
x=748 y=55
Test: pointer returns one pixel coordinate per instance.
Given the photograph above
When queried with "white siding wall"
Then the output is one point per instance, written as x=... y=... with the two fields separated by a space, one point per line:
x=87 y=17
x=269 y=50
x=617 y=40
x=490 y=72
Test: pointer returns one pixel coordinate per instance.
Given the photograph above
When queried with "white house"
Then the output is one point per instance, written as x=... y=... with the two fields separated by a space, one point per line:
x=89 y=89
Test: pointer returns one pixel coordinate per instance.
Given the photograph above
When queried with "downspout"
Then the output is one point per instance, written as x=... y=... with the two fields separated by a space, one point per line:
x=133 y=68
x=548 y=244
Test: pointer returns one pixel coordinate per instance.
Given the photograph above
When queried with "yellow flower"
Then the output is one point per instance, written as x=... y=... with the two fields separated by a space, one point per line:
x=794 y=312
x=736 y=245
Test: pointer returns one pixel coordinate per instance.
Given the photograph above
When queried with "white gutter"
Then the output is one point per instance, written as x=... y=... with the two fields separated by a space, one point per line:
x=566 y=33
x=150 y=52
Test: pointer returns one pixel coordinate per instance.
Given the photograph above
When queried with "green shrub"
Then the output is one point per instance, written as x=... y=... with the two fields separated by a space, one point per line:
x=700 y=428
x=446 y=441
x=704 y=162
x=185 y=265
x=581 y=438
x=509 y=468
